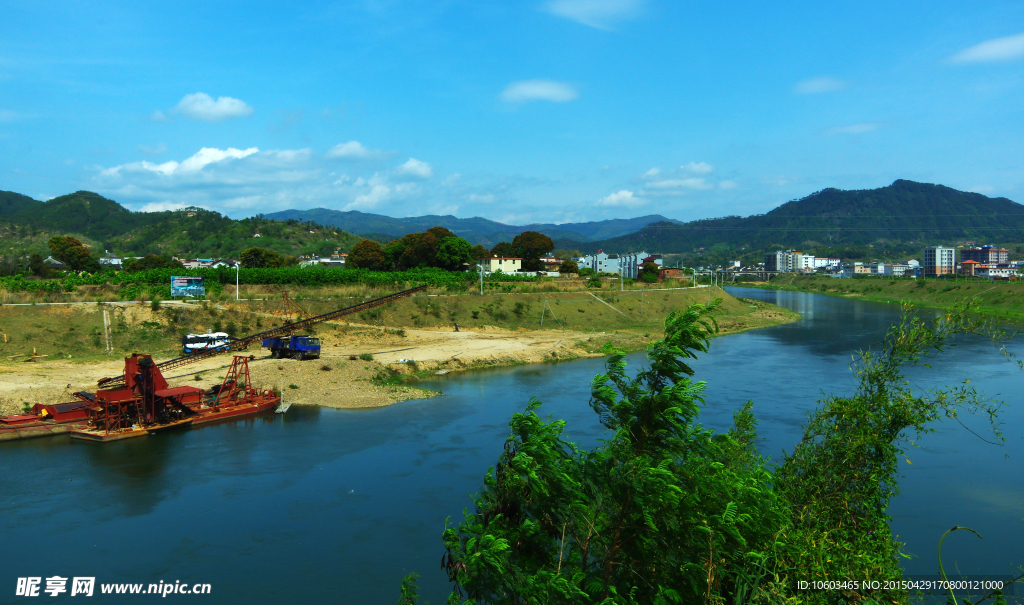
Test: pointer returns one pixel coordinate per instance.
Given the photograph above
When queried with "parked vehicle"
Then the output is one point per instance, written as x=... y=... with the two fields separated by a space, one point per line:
x=193 y=343
x=297 y=347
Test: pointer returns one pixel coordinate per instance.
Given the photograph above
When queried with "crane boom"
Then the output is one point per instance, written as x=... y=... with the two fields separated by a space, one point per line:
x=243 y=343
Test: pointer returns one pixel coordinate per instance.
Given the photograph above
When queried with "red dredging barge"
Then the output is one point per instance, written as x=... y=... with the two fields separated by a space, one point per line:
x=139 y=402
x=145 y=404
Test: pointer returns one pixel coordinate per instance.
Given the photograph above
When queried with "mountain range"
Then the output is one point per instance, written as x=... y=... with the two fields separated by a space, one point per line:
x=477 y=230
x=902 y=216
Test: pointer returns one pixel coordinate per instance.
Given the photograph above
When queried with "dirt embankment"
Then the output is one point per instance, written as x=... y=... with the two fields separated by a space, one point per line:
x=336 y=380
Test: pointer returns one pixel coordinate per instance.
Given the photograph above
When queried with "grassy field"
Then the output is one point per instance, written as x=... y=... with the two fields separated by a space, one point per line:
x=78 y=331
x=1003 y=299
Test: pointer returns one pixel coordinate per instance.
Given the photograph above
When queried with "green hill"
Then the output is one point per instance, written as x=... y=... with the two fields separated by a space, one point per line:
x=103 y=224
x=904 y=216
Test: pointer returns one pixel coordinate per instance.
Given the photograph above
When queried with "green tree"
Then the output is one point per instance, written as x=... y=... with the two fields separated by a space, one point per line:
x=503 y=250
x=151 y=261
x=649 y=272
x=453 y=252
x=568 y=266
x=261 y=258
x=72 y=253
x=531 y=245
x=479 y=253
x=367 y=254
x=666 y=511
x=563 y=253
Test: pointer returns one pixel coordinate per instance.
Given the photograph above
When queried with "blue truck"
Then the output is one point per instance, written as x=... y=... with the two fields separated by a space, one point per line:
x=295 y=347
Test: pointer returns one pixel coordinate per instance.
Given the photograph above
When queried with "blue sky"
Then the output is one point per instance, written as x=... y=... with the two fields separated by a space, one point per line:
x=547 y=111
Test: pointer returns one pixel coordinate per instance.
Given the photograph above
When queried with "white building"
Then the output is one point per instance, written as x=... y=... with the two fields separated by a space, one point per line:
x=939 y=260
x=505 y=264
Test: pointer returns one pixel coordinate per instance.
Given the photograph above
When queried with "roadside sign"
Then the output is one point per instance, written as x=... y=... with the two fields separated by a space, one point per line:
x=187 y=286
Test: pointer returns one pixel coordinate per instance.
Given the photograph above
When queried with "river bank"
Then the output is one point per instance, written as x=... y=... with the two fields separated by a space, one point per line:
x=1002 y=299
x=409 y=343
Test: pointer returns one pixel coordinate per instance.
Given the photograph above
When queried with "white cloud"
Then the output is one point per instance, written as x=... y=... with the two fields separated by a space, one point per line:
x=622 y=198
x=481 y=198
x=728 y=184
x=595 y=13
x=1009 y=48
x=416 y=168
x=162 y=206
x=538 y=90
x=451 y=179
x=158 y=116
x=694 y=183
x=853 y=129
x=698 y=168
x=153 y=149
x=7 y=115
x=202 y=158
x=816 y=86
x=652 y=173
x=354 y=150
x=201 y=106
x=377 y=195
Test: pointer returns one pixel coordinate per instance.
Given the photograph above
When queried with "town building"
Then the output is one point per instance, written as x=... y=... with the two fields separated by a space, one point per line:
x=939 y=260
x=789 y=261
x=505 y=264
x=968 y=267
x=986 y=255
x=671 y=273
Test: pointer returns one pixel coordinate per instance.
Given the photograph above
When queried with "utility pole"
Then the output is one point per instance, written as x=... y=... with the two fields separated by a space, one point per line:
x=238 y=266
x=481 y=267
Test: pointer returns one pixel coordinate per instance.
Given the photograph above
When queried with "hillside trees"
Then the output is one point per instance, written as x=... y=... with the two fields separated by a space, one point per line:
x=503 y=250
x=531 y=245
x=261 y=258
x=453 y=252
x=151 y=261
x=568 y=266
x=367 y=254
x=72 y=253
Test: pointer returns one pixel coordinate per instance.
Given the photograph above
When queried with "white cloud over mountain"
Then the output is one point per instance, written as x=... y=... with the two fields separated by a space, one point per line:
x=201 y=106
x=623 y=198
x=416 y=168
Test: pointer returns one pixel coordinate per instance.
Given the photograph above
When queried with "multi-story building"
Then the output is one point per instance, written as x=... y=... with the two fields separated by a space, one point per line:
x=986 y=255
x=788 y=261
x=627 y=264
x=939 y=260
x=780 y=260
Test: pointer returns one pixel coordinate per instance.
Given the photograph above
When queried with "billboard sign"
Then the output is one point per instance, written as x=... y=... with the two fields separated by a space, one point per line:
x=187 y=286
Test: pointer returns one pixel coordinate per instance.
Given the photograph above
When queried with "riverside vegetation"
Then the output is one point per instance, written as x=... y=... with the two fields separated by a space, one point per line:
x=666 y=511
x=1001 y=299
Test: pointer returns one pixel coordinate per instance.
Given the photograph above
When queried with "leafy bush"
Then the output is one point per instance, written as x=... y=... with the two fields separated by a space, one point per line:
x=667 y=511
x=366 y=356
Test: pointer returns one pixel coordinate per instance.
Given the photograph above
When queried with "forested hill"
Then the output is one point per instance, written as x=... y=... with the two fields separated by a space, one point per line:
x=904 y=213
x=477 y=230
x=103 y=224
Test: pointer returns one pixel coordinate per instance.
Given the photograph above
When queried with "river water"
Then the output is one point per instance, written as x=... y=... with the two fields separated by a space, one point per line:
x=327 y=505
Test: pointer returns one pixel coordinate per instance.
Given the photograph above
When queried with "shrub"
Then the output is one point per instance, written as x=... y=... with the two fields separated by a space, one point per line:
x=366 y=356
x=325 y=368
x=293 y=386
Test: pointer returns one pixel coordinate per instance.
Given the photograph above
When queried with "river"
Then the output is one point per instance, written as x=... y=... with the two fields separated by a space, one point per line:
x=326 y=505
